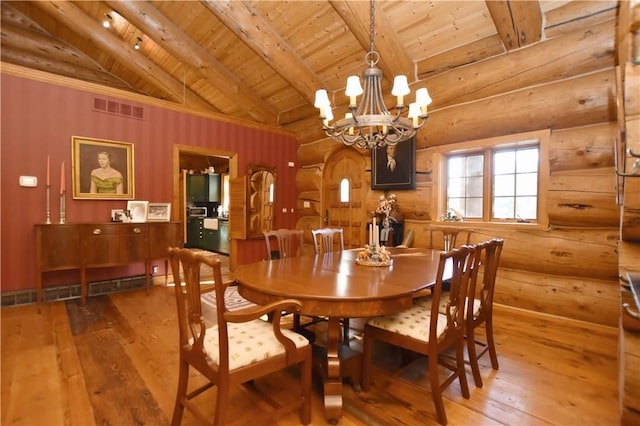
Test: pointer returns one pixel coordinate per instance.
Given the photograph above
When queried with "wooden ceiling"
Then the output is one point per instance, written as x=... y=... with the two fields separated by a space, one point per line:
x=263 y=60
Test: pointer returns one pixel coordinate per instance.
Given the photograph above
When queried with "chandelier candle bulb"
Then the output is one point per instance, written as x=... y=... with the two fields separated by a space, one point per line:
x=349 y=116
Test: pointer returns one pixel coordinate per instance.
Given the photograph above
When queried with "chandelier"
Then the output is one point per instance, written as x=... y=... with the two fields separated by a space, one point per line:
x=370 y=124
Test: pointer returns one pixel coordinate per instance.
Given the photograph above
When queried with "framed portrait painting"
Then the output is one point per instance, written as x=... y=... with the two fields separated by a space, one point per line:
x=393 y=167
x=102 y=169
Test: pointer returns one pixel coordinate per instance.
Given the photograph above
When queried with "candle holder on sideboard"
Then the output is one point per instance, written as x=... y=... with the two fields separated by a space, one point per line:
x=62 y=208
x=47 y=219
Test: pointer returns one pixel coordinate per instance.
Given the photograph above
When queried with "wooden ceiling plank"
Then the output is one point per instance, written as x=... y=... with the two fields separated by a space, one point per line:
x=83 y=25
x=170 y=37
x=257 y=33
x=466 y=54
x=394 y=60
x=519 y=23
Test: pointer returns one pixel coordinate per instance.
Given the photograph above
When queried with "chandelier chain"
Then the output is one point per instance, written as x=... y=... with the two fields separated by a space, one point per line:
x=372 y=26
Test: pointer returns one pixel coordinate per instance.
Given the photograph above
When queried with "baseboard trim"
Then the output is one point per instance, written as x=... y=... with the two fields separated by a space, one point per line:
x=72 y=291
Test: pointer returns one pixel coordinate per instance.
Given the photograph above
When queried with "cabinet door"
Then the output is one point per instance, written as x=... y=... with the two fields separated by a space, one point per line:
x=214 y=188
x=223 y=246
x=198 y=188
x=210 y=239
x=162 y=236
x=115 y=244
x=58 y=247
x=194 y=232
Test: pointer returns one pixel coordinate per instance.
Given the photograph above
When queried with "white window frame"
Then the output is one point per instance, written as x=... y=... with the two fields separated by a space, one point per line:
x=439 y=161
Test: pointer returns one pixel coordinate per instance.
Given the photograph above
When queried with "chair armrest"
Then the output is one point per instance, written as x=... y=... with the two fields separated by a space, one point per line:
x=254 y=312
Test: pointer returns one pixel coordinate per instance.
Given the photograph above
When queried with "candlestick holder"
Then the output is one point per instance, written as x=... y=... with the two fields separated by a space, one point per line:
x=47 y=219
x=62 y=208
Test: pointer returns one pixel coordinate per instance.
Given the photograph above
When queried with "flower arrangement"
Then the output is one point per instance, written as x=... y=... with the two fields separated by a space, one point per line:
x=451 y=215
x=386 y=204
x=374 y=256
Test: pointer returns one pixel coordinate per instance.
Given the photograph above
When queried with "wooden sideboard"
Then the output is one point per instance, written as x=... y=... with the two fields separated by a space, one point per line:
x=93 y=245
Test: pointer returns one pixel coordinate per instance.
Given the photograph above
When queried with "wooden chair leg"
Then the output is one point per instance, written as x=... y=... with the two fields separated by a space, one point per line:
x=490 y=343
x=183 y=381
x=367 y=347
x=461 y=371
x=305 y=382
x=221 y=404
x=436 y=391
x=345 y=330
x=473 y=358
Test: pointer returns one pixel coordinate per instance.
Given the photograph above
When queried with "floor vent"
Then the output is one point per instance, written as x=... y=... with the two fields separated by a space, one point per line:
x=50 y=294
x=117 y=108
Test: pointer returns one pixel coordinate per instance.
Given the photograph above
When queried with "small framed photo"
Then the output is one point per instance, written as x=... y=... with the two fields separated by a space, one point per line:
x=138 y=210
x=159 y=212
x=119 y=215
x=102 y=169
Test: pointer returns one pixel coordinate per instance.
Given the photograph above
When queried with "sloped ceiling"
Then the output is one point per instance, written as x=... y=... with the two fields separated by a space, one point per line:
x=263 y=60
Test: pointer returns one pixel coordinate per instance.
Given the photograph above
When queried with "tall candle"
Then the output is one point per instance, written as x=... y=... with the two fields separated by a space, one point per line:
x=62 y=189
x=48 y=171
x=370 y=234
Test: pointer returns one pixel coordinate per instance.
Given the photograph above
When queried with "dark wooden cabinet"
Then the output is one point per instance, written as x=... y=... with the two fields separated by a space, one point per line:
x=90 y=245
x=204 y=188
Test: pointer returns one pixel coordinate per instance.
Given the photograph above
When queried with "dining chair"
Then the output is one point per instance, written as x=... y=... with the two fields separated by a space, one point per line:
x=238 y=348
x=283 y=243
x=428 y=331
x=449 y=236
x=329 y=240
x=480 y=308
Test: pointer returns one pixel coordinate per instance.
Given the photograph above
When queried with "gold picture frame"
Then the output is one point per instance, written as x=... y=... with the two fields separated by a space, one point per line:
x=102 y=169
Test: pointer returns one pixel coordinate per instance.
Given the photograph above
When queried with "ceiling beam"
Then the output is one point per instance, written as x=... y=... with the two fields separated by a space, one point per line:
x=170 y=37
x=48 y=54
x=518 y=23
x=394 y=60
x=83 y=25
x=257 y=33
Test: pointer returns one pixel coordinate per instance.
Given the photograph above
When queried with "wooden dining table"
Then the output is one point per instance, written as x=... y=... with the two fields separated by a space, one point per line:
x=334 y=286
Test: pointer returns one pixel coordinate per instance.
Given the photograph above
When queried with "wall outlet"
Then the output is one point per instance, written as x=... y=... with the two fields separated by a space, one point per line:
x=154 y=269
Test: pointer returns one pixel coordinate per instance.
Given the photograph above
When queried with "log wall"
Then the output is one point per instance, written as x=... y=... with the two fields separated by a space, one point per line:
x=570 y=268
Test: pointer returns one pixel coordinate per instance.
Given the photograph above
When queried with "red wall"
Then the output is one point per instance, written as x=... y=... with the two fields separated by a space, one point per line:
x=38 y=120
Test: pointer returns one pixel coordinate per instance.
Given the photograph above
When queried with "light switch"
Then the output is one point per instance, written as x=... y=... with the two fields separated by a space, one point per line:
x=284 y=210
x=306 y=204
x=292 y=164
x=29 y=181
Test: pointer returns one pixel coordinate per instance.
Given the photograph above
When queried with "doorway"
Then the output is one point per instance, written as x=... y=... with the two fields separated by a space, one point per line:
x=350 y=213
x=187 y=158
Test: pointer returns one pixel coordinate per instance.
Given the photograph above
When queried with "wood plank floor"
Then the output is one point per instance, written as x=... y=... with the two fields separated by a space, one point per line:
x=114 y=362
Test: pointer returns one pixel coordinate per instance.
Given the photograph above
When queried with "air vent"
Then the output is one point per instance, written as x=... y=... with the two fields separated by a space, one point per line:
x=117 y=108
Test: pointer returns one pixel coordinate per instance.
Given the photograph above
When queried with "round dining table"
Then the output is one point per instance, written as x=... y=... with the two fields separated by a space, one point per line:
x=334 y=286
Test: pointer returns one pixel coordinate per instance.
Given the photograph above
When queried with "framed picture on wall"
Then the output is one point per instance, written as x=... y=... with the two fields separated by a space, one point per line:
x=102 y=169
x=393 y=167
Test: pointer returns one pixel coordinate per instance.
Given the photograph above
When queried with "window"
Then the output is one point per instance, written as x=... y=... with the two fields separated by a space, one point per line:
x=495 y=180
x=344 y=190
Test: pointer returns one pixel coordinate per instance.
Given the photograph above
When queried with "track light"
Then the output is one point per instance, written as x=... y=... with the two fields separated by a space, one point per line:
x=107 y=21
x=137 y=45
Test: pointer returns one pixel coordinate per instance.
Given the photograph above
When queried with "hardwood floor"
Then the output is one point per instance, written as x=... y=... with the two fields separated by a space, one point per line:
x=115 y=362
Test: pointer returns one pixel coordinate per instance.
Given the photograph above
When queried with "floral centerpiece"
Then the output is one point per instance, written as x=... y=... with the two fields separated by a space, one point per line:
x=374 y=255
x=451 y=215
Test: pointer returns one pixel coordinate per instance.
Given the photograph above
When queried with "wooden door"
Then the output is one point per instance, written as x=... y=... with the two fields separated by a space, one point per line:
x=351 y=215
